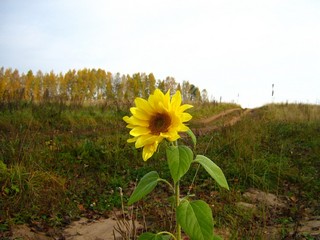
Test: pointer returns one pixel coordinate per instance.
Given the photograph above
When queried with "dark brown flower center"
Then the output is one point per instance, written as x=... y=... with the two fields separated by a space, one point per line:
x=159 y=123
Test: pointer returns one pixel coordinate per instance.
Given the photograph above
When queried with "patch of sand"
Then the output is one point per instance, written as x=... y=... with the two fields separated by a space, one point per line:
x=84 y=229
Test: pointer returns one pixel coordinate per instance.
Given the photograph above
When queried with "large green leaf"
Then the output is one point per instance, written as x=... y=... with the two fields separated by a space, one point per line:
x=179 y=161
x=195 y=219
x=213 y=169
x=153 y=236
x=147 y=183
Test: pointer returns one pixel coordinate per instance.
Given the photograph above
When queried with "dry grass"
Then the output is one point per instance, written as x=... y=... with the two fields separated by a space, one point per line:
x=294 y=112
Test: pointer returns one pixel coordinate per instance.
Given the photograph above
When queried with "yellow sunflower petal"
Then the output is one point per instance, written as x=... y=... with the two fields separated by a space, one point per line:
x=131 y=140
x=184 y=107
x=152 y=102
x=131 y=126
x=176 y=100
x=140 y=114
x=171 y=135
x=137 y=131
x=166 y=100
x=162 y=108
x=175 y=120
x=185 y=117
x=126 y=119
x=149 y=150
x=146 y=154
x=143 y=105
x=183 y=128
x=136 y=122
x=158 y=93
x=156 y=98
x=147 y=140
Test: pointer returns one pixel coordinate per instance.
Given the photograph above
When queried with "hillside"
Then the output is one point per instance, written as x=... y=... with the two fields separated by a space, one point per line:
x=59 y=163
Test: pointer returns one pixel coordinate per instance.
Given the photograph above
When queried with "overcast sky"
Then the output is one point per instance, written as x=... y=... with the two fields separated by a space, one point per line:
x=235 y=49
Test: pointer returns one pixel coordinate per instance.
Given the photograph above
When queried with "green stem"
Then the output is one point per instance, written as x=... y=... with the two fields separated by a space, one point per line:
x=177 y=201
x=165 y=181
x=177 y=198
x=168 y=233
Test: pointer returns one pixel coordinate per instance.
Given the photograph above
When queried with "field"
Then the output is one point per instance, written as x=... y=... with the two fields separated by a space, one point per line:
x=61 y=162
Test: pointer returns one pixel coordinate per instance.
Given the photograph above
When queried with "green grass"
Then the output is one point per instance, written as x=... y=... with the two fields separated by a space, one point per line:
x=272 y=150
x=58 y=162
x=72 y=153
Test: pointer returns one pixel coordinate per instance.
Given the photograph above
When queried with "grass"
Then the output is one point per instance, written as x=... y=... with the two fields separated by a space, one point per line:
x=73 y=152
x=273 y=151
x=58 y=162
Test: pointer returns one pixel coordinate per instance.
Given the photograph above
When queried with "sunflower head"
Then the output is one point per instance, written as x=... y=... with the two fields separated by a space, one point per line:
x=160 y=117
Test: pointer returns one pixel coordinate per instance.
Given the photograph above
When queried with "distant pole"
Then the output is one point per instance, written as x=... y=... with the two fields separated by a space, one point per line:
x=272 y=93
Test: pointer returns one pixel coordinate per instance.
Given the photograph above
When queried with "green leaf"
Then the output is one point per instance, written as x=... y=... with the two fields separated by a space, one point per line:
x=153 y=236
x=213 y=169
x=179 y=161
x=147 y=183
x=193 y=137
x=195 y=219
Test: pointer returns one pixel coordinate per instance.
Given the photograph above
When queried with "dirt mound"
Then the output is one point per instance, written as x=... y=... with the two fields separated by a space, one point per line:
x=309 y=226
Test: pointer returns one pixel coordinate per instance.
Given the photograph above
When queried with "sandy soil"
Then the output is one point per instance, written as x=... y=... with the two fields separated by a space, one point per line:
x=84 y=229
x=104 y=229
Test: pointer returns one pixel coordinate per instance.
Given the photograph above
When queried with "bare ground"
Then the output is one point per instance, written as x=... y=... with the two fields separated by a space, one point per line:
x=112 y=228
x=223 y=119
x=105 y=228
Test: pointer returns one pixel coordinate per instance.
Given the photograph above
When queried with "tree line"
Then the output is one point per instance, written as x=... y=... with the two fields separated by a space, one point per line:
x=88 y=85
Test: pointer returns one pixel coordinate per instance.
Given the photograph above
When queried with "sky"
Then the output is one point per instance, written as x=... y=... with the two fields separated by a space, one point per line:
x=235 y=49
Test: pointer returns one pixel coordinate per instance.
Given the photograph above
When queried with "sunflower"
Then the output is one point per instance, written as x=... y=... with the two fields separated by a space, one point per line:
x=156 y=119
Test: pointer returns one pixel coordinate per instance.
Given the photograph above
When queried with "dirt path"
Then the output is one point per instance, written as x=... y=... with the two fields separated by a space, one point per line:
x=219 y=115
x=209 y=124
